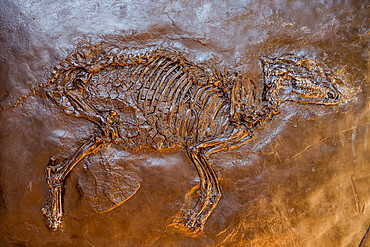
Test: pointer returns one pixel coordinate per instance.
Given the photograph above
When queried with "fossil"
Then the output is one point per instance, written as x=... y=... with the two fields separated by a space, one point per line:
x=162 y=100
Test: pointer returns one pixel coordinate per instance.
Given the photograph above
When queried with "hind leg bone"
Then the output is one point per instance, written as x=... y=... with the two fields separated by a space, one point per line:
x=56 y=173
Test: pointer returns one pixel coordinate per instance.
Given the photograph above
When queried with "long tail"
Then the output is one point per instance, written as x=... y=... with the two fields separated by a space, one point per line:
x=33 y=91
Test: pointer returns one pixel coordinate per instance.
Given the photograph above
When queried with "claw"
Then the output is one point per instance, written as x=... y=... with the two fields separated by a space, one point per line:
x=194 y=225
x=54 y=222
x=189 y=222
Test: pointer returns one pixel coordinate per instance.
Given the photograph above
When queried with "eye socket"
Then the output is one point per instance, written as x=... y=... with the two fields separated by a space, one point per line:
x=331 y=96
x=294 y=83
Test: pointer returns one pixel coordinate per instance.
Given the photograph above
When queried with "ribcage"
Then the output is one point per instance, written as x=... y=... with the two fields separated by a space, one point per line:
x=171 y=98
x=162 y=83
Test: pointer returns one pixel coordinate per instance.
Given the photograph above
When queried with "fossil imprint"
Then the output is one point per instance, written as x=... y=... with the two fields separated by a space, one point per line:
x=160 y=99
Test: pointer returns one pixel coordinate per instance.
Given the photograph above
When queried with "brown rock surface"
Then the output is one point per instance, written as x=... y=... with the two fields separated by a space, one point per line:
x=302 y=181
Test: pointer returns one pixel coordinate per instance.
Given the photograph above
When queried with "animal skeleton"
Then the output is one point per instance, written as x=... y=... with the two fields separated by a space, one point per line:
x=162 y=100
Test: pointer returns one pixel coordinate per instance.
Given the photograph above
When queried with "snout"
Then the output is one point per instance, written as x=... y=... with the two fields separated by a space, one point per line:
x=340 y=92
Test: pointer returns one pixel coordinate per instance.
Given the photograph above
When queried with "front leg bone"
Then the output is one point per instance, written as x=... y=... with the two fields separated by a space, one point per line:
x=209 y=195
